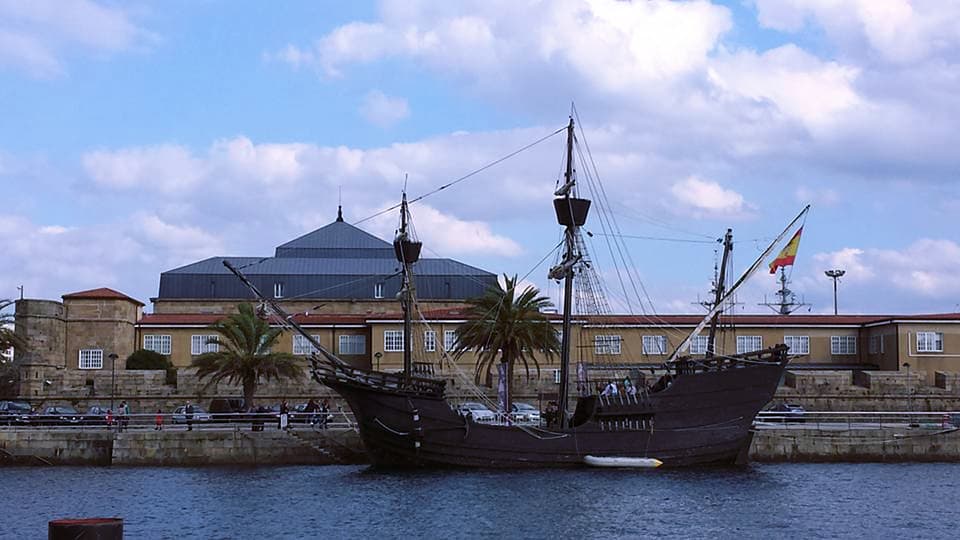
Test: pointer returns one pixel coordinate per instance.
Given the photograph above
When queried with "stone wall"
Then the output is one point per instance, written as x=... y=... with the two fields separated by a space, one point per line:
x=179 y=447
x=56 y=447
x=929 y=443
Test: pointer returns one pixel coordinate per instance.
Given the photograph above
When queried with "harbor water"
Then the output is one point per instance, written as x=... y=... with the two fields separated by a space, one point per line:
x=760 y=501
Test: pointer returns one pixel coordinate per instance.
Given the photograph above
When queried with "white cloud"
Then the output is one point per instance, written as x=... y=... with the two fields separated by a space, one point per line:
x=167 y=168
x=35 y=35
x=383 y=110
x=788 y=77
x=899 y=31
x=927 y=267
x=708 y=197
x=618 y=45
x=445 y=235
x=184 y=243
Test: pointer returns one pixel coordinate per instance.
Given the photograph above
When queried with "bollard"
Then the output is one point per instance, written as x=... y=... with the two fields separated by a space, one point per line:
x=85 y=529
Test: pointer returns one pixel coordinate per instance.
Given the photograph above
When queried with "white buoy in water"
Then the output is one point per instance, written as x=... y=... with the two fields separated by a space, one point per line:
x=623 y=462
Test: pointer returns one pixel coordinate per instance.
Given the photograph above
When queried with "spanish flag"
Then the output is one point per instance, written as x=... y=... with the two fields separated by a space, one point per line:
x=788 y=253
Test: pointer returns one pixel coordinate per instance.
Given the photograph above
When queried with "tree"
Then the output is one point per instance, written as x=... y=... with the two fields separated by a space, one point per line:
x=8 y=337
x=506 y=327
x=146 y=359
x=244 y=354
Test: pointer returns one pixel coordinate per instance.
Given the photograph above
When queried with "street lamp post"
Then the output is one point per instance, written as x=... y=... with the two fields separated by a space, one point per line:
x=113 y=377
x=835 y=275
x=909 y=388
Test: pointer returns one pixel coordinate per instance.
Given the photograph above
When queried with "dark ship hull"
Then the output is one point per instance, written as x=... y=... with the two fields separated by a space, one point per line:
x=691 y=417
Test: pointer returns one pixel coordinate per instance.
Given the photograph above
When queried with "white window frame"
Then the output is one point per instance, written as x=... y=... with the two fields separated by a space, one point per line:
x=875 y=345
x=378 y=290
x=429 y=340
x=449 y=340
x=393 y=341
x=655 y=345
x=158 y=343
x=606 y=344
x=798 y=345
x=352 y=344
x=747 y=344
x=278 y=289
x=199 y=344
x=928 y=342
x=698 y=345
x=843 y=345
x=90 y=359
x=302 y=346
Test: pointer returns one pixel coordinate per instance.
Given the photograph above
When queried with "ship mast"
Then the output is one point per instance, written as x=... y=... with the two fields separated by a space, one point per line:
x=407 y=251
x=571 y=213
x=719 y=290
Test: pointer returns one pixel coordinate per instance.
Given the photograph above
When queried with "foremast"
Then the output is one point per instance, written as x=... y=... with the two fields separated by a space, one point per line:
x=407 y=251
x=719 y=290
x=572 y=214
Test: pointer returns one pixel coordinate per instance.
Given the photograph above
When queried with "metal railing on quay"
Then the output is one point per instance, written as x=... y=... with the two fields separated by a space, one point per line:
x=333 y=420
x=848 y=420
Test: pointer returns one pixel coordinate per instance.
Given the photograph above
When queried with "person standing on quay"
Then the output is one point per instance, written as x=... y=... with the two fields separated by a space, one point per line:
x=188 y=412
x=158 y=425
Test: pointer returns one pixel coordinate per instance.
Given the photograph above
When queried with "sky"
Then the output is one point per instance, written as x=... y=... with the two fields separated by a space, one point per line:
x=137 y=136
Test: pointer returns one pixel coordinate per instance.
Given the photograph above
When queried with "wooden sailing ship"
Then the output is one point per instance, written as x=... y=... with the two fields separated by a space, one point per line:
x=700 y=411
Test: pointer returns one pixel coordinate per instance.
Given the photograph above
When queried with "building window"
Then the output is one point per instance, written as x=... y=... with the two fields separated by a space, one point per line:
x=378 y=290
x=449 y=340
x=393 y=340
x=797 y=344
x=698 y=345
x=606 y=344
x=654 y=345
x=876 y=344
x=843 y=344
x=929 y=341
x=278 y=289
x=353 y=344
x=747 y=344
x=201 y=344
x=429 y=341
x=158 y=344
x=302 y=345
x=91 y=359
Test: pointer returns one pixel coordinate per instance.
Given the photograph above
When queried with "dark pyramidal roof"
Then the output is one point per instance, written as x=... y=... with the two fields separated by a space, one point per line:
x=338 y=239
x=334 y=260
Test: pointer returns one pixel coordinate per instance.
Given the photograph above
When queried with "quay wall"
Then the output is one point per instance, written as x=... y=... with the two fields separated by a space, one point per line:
x=856 y=445
x=178 y=447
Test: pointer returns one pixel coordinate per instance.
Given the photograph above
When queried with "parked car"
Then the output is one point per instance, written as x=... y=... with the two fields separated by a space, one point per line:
x=58 y=415
x=15 y=412
x=525 y=413
x=228 y=410
x=477 y=412
x=199 y=415
x=96 y=415
x=787 y=412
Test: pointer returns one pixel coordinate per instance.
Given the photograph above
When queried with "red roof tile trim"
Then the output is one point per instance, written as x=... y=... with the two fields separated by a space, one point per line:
x=210 y=318
x=102 y=293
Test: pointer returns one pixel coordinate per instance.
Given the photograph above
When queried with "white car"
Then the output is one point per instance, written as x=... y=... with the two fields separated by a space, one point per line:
x=477 y=412
x=199 y=415
x=525 y=413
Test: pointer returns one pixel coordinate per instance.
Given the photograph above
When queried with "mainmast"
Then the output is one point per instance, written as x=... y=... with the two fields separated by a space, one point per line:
x=571 y=213
x=719 y=290
x=407 y=251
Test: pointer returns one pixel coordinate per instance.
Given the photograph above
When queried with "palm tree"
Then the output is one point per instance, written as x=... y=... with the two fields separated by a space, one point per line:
x=244 y=356
x=506 y=327
x=8 y=337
